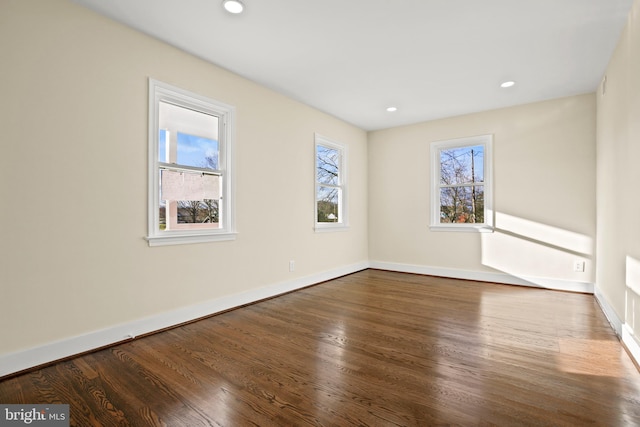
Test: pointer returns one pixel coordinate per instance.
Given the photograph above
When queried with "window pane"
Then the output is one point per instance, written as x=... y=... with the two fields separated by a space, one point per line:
x=198 y=212
x=178 y=213
x=327 y=165
x=188 y=137
x=191 y=144
x=197 y=151
x=463 y=165
x=181 y=185
x=162 y=214
x=462 y=204
x=189 y=215
x=327 y=199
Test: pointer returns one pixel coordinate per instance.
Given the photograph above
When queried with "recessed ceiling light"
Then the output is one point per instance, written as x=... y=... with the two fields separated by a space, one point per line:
x=508 y=83
x=392 y=109
x=233 y=6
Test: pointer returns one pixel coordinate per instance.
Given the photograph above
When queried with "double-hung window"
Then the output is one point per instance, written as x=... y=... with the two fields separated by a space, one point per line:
x=461 y=192
x=190 y=161
x=330 y=185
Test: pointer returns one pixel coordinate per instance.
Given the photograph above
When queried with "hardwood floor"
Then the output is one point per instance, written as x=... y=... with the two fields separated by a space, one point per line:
x=373 y=348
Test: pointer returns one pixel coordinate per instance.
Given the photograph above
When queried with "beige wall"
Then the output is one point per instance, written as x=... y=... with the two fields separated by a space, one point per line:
x=618 y=119
x=544 y=193
x=74 y=180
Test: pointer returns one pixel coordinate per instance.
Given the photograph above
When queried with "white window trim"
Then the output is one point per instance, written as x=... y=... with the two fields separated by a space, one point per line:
x=487 y=142
x=343 y=225
x=159 y=91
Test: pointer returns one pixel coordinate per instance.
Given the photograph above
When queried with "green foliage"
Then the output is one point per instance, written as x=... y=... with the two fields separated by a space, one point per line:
x=327 y=211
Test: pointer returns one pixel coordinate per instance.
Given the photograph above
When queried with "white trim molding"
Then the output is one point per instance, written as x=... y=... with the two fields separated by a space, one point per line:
x=609 y=312
x=182 y=106
x=483 y=276
x=631 y=343
x=341 y=186
x=437 y=184
x=622 y=330
x=26 y=359
x=12 y=363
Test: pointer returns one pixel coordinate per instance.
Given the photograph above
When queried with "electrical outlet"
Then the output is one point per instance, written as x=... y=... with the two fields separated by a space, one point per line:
x=578 y=266
x=292 y=265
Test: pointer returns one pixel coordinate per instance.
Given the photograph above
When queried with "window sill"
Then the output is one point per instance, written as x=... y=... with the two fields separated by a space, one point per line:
x=462 y=228
x=329 y=227
x=178 y=239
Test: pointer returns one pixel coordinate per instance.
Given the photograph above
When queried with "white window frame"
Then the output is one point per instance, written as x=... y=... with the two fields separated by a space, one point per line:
x=343 y=213
x=159 y=91
x=436 y=147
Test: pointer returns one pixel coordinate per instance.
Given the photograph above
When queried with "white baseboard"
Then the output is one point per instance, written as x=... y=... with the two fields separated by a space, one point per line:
x=609 y=312
x=29 y=358
x=25 y=359
x=622 y=330
x=631 y=343
x=483 y=276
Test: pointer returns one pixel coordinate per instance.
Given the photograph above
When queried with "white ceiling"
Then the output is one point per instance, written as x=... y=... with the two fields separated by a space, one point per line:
x=429 y=58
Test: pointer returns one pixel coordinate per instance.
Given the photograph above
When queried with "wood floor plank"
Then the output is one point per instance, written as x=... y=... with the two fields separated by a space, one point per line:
x=374 y=348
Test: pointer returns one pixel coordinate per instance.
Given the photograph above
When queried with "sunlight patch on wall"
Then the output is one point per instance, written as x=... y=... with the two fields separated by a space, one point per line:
x=544 y=233
x=527 y=259
x=540 y=254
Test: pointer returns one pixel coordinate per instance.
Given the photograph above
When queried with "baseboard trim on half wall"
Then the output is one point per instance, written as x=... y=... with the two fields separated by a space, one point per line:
x=632 y=346
x=19 y=361
x=483 y=276
x=622 y=330
x=609 y=312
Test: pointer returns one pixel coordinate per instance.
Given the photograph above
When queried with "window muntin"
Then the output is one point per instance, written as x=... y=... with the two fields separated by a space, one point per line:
x=190 y=148
x=330 y=209
x=461 y=188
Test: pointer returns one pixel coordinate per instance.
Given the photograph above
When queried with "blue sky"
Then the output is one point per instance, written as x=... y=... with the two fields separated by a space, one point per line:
x=463 y=154
x=192 y=150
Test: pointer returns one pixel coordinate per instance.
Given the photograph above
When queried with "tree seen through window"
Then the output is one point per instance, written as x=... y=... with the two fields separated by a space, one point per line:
x=462 y=185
